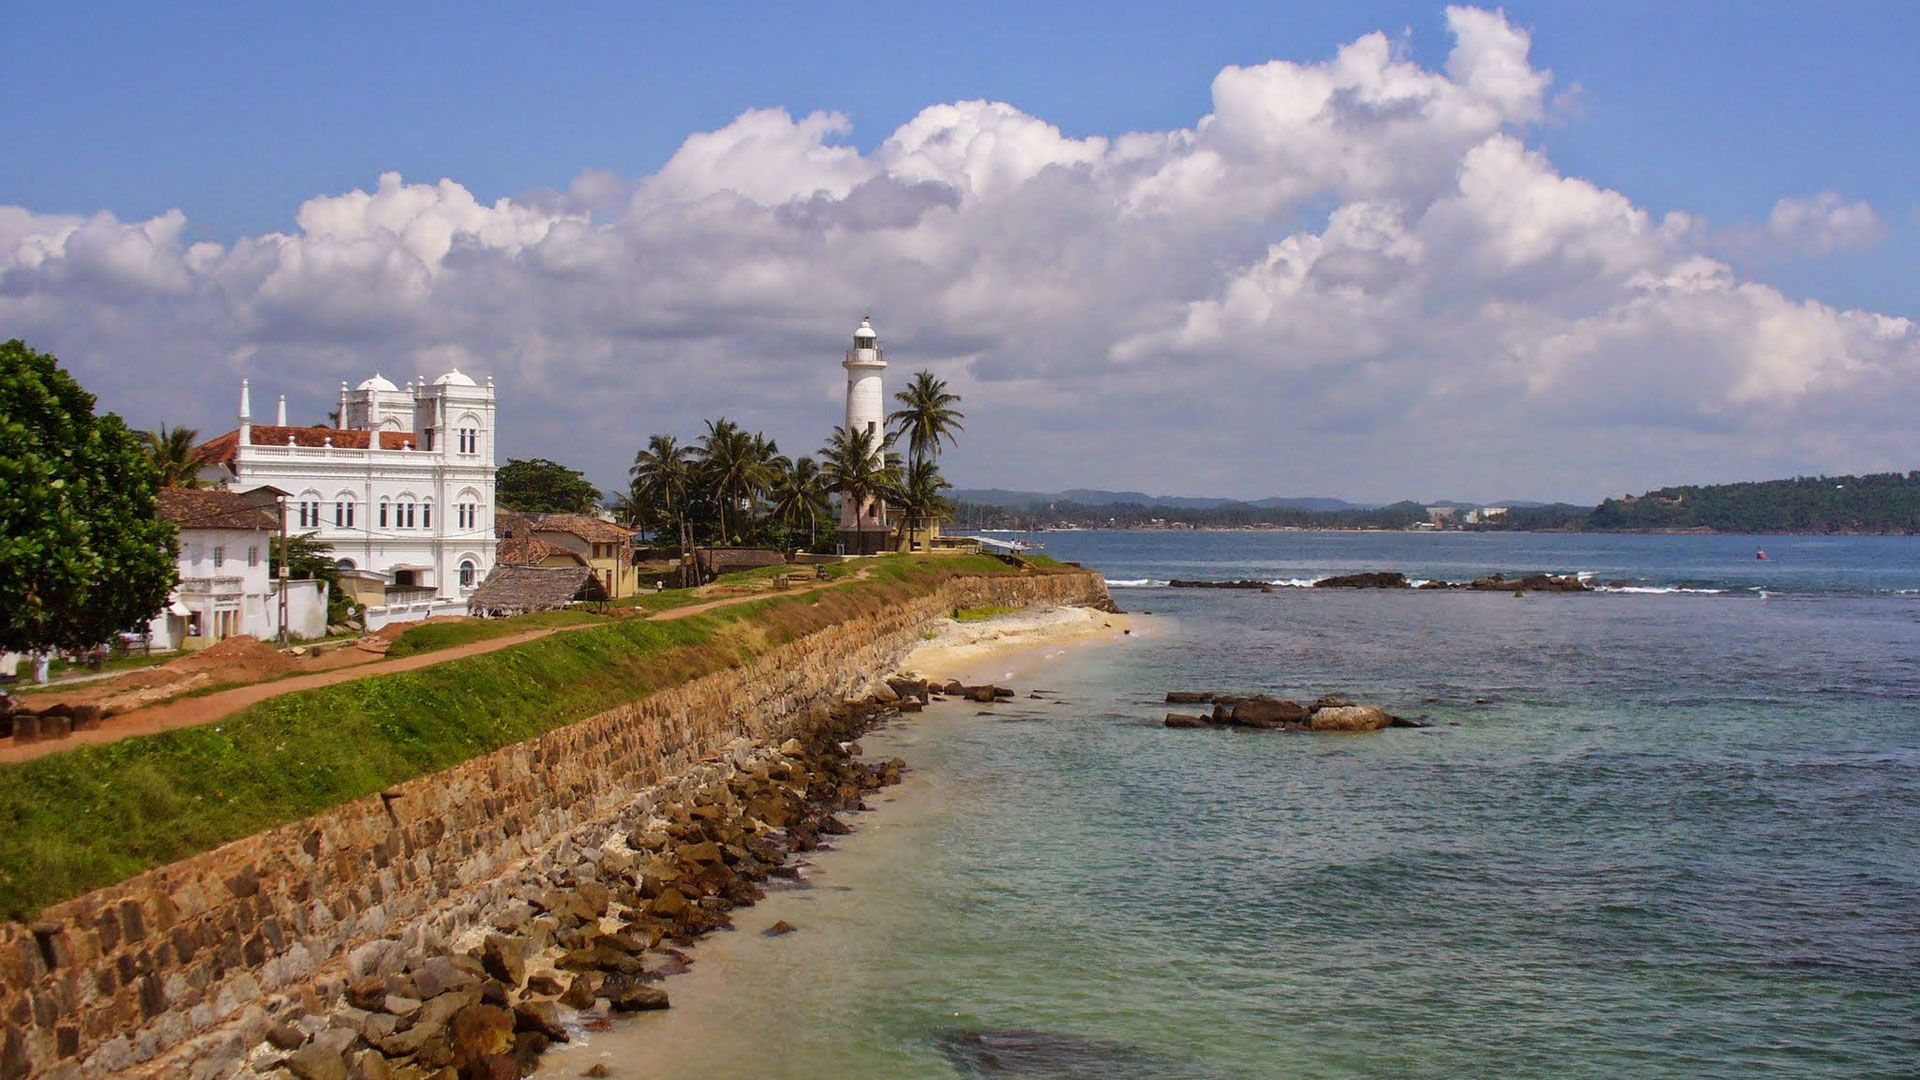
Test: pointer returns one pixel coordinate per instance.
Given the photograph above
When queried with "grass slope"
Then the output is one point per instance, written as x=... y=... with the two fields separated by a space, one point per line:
x=94 y=815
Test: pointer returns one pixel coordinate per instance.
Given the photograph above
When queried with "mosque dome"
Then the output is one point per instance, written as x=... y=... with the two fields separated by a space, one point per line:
x=453 y=378
x=377 y=383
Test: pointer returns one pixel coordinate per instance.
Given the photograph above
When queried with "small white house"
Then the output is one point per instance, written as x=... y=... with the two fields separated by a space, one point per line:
x=226 y=585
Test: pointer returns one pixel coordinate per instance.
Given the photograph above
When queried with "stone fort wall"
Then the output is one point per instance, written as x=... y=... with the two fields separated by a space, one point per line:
x=173 y=972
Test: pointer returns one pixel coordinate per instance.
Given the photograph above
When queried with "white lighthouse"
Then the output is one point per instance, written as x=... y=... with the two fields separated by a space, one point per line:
x=863 y=528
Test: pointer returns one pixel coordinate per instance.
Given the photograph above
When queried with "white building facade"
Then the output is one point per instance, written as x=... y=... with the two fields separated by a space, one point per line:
x=402 y=491
x=226 y=585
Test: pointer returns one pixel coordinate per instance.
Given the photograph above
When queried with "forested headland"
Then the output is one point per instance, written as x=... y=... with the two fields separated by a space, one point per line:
x=1878 y=503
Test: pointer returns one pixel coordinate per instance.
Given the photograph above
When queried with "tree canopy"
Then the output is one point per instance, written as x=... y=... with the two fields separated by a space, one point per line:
x=539 y=486
x=83 y=554
x=927 y=416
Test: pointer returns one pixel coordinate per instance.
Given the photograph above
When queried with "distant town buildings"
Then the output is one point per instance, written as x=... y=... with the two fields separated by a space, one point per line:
x=401 y=491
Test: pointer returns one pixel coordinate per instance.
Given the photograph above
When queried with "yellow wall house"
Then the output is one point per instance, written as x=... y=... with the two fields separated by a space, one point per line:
x=570 y=540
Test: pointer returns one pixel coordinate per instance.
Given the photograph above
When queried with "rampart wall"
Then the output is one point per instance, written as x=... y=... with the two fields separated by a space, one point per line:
x=172 y=972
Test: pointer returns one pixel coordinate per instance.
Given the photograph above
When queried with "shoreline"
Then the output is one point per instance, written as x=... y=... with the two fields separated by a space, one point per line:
x=1012 y=645
x=825 y=906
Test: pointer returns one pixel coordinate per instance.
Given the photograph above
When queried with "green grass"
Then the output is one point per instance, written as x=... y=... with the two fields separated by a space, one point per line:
x=433 y=637
x=982 y=613
x=57 y=668
x=93 y=815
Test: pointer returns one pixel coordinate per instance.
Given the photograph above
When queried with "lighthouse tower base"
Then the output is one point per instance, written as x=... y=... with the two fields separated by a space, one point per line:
x=871 y=540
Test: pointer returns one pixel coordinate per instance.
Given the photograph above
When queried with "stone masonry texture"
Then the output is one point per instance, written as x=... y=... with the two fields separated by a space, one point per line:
x=175 y=972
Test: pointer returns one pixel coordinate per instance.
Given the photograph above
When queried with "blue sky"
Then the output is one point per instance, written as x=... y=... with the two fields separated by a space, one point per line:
x=237 y=114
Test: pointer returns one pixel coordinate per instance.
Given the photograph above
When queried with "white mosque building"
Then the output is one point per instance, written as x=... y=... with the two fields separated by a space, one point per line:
x=402 y=491
x=863 y=526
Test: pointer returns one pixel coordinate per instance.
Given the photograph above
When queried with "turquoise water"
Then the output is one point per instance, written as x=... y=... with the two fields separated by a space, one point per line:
x=1651 y=834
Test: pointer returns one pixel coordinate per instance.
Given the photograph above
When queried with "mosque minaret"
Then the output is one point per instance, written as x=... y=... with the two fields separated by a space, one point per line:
x=863 y=529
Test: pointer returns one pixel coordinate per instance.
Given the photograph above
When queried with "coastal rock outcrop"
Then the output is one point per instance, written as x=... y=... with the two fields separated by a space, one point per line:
x=1328 y=713
x=1529 y=583
x=593 y=934
x=1349 y=718
x=1267 y=712
x=1378 y=579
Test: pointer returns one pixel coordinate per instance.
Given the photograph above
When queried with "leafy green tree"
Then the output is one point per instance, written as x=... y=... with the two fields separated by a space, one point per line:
x=927 y=416
x=82 y=553
x=539 y=486
x=172 y=451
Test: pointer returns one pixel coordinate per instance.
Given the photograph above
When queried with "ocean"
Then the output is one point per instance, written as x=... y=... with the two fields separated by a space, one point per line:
x=1671 y=829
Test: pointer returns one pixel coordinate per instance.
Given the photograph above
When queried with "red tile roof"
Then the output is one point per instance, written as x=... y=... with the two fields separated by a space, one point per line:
x=220 y=450
x=195 y=509
x=590 y=529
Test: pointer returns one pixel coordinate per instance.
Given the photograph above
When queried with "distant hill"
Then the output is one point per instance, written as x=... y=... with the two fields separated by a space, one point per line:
x=1023 y=500
x=1876 y=503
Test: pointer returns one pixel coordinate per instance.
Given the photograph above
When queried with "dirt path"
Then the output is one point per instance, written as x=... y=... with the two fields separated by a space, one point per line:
x=193 y=711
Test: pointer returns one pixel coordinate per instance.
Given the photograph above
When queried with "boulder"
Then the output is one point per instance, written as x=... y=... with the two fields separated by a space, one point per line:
x=671 y=905
x=1267 y=712
x=480 y=1031
x=492 y=1067
x=579 y=994
x=985 y=695
x=539 y=1016
x=1328 y=701
x=316 y=1063
x=1350 y=718
x=628 y=994
x=1186 y=720
x=505 y=958
x=437 y=976
x=884 y=694
x=1189 y=697
x=367 y=993
x=369 y=1065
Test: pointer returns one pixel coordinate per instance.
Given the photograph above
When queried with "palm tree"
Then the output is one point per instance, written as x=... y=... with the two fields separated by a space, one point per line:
x=857 y=466
x=659 y=478
x=927 y=416
x=734 y=467
x=172 y=451
x=798 y=497
x=919 y=494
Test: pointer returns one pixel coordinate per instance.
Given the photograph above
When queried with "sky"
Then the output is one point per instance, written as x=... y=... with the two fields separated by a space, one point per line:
x=1371 y=250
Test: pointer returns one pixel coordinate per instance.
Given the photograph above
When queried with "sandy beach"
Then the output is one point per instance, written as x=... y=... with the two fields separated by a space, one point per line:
x=749 y=996
x=1015 y=645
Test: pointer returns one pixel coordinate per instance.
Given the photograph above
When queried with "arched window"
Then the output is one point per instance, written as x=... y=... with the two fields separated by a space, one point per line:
x=343 y=564
x=466 y=573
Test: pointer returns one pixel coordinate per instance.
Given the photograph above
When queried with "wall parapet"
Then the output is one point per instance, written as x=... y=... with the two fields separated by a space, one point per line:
x=177 y=971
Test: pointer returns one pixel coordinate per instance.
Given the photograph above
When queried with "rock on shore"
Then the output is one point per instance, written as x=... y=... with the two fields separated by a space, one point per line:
x=590 y=937
x=1330 y=713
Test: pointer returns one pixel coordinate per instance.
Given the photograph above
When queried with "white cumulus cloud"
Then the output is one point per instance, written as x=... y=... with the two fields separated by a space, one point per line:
x=1358 y=276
